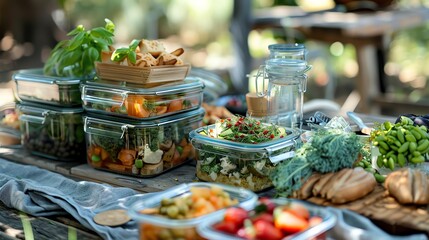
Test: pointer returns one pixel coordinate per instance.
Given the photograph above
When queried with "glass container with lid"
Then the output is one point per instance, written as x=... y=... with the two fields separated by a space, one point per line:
x=132 y=101
x=140 y=148
x=33 y=86
x=52 y=132
x=240 y=164
x=284 y=82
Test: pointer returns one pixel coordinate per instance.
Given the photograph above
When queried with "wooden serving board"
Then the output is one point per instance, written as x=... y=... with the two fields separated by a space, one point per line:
x=386 y=212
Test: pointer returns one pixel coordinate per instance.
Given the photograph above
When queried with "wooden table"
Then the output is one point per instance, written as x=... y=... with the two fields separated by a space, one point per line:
x=12 y=221
x=369 y=33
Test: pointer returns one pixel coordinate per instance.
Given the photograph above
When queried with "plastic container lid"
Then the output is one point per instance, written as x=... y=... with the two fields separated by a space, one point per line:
x=247 y=200
x=116 y=127
x=36 y=75
x=177 y=87
x=271 y=149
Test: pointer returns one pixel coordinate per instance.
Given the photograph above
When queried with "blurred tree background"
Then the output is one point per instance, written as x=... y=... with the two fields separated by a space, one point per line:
x=29 y=29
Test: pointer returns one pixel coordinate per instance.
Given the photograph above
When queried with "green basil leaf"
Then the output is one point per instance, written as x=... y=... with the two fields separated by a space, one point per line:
x=109 y=25
x=132 y=56
x=101 y=32
x=71 y=58
x=119 y=54
x=90 y=55
x=134 y=44
x=100 y=41
x=77 y=30
x=76 y=41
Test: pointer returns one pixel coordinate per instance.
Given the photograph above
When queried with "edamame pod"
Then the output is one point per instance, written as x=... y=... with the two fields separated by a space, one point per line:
x=418 y=159
x=415 y=133
x=380 y=161
x=400 y=135
x=391 y=163
x=404 y=147
x=410 y=138
x=424 y=144
x=379 y=178
x=384 y=145
x=412 y=147
x=401 y=160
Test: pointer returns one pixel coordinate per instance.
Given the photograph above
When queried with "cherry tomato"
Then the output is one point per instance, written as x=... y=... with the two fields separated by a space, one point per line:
x=227 y=227
x=299 y=210
x=265 y=217
x=268 y=203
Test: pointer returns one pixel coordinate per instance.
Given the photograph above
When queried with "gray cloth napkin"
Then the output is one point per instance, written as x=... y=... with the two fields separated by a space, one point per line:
x=39 y=192
x=352 y=226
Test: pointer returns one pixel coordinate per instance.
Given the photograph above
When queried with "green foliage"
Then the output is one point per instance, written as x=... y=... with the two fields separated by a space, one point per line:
x=75 y=57
x=126 y=52
x=329 y=151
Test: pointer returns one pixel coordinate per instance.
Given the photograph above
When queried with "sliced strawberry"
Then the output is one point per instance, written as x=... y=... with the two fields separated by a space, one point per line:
x=266 y=217
x=236 y=215
x=289 y=222
x=270 y=205
x=267 y=231
x=314 y=220
x=227 y=227
x=299 y=210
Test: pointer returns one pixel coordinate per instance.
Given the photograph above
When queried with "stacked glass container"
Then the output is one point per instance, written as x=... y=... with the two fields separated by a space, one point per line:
x=50 y=114
x=137 y=130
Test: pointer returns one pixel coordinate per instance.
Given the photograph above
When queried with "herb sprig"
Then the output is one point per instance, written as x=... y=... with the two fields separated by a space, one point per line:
x=248 y=130
x=75 y=57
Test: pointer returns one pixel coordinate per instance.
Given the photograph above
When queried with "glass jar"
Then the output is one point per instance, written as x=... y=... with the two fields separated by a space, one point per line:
x=287 y=83
x=288 y=51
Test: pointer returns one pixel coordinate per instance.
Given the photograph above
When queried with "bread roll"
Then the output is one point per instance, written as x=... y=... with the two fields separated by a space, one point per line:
x=306 y=189
x=358 y=185
x=321 y=183
x=154 y=47
x=337 y=182
x=408 y=186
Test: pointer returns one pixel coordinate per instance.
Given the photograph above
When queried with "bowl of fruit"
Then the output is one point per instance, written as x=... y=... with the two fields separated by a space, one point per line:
x=270 y=219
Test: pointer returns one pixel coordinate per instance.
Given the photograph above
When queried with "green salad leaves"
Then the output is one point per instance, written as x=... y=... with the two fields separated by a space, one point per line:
x=329 y=151
x=75 y=57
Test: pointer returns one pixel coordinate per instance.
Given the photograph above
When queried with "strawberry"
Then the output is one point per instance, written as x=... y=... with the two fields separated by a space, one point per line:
x=288 y=221
x=299 y=210
x=227 y=227
x=270 y=205
x=236 y=216
x=267 y=231
x=266 y=217
x=315 y=220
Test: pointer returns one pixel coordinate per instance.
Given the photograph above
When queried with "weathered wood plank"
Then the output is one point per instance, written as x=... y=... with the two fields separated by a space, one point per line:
x=11 y=227
x=182 y=174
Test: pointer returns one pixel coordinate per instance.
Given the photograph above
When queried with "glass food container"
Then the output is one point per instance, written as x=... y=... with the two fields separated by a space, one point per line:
x=140 y=148
x=161 y=227
x=33 y=86
x=133 y=101
x=240 y=164
x=52 y=132
x=207 y=230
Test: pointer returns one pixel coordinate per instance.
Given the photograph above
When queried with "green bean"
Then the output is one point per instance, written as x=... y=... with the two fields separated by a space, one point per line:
x=384 y=145
x=380 y=161
x=391 y=163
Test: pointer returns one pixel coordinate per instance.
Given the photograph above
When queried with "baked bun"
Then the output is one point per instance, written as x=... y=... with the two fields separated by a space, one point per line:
x=154 y=47
x=340 y=187
x=408 y=186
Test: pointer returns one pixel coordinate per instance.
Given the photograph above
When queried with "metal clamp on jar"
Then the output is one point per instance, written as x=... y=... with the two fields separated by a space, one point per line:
x=284 y=82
